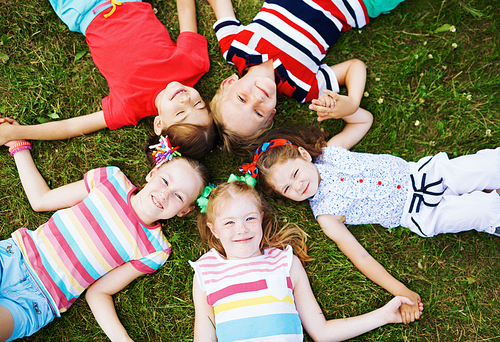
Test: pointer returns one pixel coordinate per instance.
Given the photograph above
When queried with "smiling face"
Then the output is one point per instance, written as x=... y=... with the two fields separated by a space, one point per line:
x=177 y=104
x=170 y=191
x=248 y=103
x=238 y=226
x=297 y=179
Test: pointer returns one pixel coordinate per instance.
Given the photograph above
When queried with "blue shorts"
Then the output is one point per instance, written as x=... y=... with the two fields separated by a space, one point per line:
x=377 y=7
x=78 y=14
x=20 y=294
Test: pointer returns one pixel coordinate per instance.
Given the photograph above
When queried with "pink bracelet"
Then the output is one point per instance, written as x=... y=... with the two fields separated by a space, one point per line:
x=24 y=145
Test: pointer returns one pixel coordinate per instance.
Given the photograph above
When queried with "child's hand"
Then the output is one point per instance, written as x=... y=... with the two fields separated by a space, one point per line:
x=5 y=126
x=333 y=106
x=409 y=313
x=394 y=306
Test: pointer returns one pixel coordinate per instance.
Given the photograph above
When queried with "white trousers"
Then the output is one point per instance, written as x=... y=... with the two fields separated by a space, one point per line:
x=446 y=196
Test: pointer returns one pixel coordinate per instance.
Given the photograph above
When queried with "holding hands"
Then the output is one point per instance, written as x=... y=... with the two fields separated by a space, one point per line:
x=333 y=106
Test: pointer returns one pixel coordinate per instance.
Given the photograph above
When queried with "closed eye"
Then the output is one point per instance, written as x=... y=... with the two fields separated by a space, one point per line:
x=179 y=197
x=259 y=114
x=165 y=181
x=241 y=99
x=179 y=113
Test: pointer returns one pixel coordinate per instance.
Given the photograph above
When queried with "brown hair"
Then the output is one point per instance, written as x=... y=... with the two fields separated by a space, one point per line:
x=194 y=141
x=232 y=142
x=312 y=139
x=290 y=234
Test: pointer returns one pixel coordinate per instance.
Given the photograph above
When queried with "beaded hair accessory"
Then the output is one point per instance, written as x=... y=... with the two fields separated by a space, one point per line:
x=251 y=168
x=163 y=151
x=203 y=199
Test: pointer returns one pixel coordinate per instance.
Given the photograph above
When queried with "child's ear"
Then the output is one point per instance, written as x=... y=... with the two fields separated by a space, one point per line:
x=211 y=227
x=228 y=81
x=158 y=125
x=304 y=154
x=185 y=211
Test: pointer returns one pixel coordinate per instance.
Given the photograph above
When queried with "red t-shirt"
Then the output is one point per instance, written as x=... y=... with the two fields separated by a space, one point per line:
x=135 y=54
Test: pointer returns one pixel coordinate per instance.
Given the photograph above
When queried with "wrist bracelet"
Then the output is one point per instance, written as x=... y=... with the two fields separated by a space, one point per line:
x=23 y=145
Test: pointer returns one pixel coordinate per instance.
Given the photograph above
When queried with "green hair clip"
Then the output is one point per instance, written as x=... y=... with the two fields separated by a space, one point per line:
x=203 y=199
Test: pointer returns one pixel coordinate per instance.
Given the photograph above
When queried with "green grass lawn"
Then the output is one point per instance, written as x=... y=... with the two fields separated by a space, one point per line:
x=429 y=88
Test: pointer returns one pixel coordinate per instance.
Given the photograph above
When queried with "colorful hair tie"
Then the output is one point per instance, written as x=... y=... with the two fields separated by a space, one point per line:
x=203 y=199
x=251 y=168
x=164 y=151
x=247 y=178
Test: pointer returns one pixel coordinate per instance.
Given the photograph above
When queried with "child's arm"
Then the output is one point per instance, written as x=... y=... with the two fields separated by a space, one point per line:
x=99 y=296
x=352 y=74
x=204 y=321
x=335 y=229
x=357 y=125
x=320 y=329
x=56 y=130
x=222 y=8
x=187 y=16
x=40 y=196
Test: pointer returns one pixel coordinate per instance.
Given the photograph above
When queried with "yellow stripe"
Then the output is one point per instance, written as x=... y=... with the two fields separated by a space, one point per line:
x=249 y=302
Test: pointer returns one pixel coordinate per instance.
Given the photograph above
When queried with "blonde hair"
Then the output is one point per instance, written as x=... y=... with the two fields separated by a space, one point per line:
x=234 y=143
x=290 y=234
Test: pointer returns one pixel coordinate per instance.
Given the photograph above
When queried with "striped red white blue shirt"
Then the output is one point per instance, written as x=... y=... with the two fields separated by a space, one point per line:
x=252 y=298
x=78 y=245
x=296 y=35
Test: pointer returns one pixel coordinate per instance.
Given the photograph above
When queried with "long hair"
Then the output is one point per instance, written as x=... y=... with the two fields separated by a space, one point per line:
x=272 y=235
x=194 y=141
x=233 y=143
x=312 y=139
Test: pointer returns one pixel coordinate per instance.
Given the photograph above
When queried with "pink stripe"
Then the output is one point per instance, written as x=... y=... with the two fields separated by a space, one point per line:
x=71 y=261
x=289 y=283
x=210 y=281
x=237 y=288
x=243 y=265
x=100 y=6
x=36 y=263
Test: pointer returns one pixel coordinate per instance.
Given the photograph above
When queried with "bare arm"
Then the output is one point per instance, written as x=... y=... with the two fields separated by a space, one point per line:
x=99 y=296
x=56 y=130
x=204 y=321
x=357 y=125
x=222 y=8
x=187 y=16
x=320 y=329
x=41 y=197
x=335 y=229
x=352 y=74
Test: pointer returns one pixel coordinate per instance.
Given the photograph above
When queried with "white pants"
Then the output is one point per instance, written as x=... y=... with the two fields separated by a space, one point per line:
x=457 y=203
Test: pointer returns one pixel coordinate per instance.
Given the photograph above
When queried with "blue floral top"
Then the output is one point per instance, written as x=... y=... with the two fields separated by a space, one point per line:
x=366 y=188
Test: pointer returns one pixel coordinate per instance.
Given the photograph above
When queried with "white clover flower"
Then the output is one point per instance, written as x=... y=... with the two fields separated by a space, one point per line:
x=453 y=28
x=454 y=45
x=377 y=79
x=430 y=56
x=432 y=143
x=417 y=123
x=421 y=74
x=155 y=10
x=359 y=31
x=366 y=94
x=488 y=132
x=416 y=56
x=425 y=43
x=380 y=100
x=469 y=97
